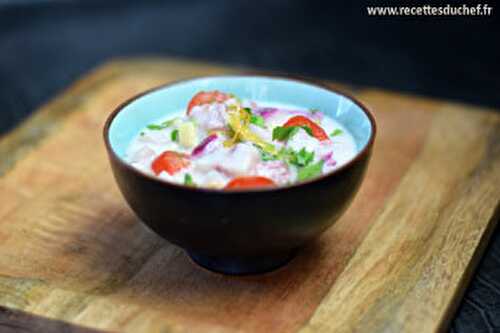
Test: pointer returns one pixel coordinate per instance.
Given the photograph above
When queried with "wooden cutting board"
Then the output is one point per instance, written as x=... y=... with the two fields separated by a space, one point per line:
x=397 y=261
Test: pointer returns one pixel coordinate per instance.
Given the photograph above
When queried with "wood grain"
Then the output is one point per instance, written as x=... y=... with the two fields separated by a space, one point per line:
x=397 y=261
x=14 y=321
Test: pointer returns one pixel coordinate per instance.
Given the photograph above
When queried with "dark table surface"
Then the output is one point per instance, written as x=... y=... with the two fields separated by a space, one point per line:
x=47 y=44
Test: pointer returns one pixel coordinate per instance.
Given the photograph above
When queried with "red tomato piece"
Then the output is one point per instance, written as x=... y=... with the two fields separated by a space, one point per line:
x=249 y=182
x=318 y=132
x=171 y=162
x=207 y=97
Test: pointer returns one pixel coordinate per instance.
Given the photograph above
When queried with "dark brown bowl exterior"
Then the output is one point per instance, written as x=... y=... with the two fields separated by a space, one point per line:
x=240 y=232
x=226 y=228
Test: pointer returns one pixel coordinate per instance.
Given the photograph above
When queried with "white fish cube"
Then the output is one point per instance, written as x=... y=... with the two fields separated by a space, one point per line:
x=241 y=160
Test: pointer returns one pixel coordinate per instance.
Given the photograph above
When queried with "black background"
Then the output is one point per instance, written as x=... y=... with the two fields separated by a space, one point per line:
x=45 y=45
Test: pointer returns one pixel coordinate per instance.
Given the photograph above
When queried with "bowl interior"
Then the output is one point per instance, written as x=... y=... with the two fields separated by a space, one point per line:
x=170 y=99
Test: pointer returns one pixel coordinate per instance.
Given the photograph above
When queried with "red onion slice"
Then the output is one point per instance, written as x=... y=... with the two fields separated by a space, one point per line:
x=328 y=158
x=198 y=150
x=266 y=113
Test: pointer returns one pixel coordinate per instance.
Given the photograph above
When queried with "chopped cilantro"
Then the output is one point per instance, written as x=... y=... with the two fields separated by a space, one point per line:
x=302 y=158
x=283 y=154
x=281 y=133
x=163 y=125
x=308 y=130
x=336 y=132
x=155 y=127
x=175 y=135
x=257 y=120
x=313 y=111
x=265 y=156
x=142 y=133
x=188 y=180
x=310 y=171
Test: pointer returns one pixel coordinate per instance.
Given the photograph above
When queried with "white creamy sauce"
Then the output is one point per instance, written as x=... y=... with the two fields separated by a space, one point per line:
x=216 y=164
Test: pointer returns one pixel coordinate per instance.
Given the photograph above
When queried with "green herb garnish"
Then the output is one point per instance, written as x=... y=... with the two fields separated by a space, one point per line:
x=255 y=119
x=258 y=121
x=163 y=125
x=302 y=158
x=175 y=135
x=284 y=154
x=310 y=171
x=336 y=132
x=142 y=133
x=308 y=130
x=313 y=111
x=188 y=180
x=155 y=127
x=281 y=133
x=265 y=156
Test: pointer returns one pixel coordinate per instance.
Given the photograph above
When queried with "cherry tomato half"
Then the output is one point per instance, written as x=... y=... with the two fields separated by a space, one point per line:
x=206 y=97
x=318 y=132
x=249 y=182
x=170 y=161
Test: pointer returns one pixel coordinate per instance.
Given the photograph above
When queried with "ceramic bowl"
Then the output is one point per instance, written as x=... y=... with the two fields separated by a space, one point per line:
x=248 y=231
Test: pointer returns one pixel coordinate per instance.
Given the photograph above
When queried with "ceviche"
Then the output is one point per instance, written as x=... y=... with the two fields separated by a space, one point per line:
x=220 y=141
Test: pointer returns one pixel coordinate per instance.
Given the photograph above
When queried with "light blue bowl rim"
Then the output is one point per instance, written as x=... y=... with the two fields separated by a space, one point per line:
x=293 y=79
